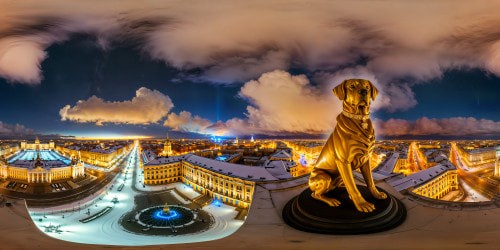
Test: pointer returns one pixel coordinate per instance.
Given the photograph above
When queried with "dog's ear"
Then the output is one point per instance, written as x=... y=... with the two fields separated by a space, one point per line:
x=374 y=91
x=339 y=91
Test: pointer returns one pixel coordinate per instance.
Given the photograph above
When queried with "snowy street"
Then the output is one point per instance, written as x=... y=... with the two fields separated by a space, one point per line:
x=63 y=222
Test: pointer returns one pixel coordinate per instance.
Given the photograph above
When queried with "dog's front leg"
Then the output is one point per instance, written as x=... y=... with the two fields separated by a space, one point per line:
x=345 y=172
x=367 y=175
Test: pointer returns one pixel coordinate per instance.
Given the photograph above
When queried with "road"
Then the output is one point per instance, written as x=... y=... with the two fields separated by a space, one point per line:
x=414 y=160
x=54 y=199
x=477 y=180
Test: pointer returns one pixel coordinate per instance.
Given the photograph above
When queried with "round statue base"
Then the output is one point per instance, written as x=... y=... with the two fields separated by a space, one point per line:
x=305 y=213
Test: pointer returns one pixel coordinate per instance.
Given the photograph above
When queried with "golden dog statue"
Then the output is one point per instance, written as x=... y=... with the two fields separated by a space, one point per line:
x=348 y=148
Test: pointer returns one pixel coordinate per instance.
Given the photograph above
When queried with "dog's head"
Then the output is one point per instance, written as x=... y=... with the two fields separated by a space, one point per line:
x=356 y=93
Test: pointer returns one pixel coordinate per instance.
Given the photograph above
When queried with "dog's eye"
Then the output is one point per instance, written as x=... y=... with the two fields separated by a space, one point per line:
x=351 y=86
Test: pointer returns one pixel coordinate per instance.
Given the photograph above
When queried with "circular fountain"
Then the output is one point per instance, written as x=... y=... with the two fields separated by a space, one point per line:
x=166 y=216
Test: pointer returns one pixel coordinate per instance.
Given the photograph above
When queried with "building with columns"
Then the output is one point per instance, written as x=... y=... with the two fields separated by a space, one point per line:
x=477 y=156
x=435 y=182
x=51 y=167
x=97 y=156
x=37 y=145
x=227 y=182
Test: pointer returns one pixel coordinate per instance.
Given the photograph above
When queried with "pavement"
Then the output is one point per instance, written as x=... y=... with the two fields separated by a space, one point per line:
x=425 y=228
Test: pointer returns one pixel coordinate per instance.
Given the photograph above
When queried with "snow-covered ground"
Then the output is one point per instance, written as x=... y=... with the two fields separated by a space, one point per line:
x=472 y=195
x=107 y=230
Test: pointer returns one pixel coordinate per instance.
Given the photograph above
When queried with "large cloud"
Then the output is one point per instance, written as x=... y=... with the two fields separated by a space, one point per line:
x=279 y=103
x=186 y=122
x=395 y=44
x=148 y=106
x=237 y=40
x=454 y=126
x=14 y=130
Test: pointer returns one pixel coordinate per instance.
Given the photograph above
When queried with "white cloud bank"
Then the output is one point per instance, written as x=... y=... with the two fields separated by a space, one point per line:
x=281 y=103
x=239 y=40
x=7 y=129
x=148 y=106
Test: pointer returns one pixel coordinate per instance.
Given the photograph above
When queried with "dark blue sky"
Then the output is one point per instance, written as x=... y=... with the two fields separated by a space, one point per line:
x=466 y=93
x=78 y=69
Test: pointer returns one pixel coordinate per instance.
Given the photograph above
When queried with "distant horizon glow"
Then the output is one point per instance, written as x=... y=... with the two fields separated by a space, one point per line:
x=112 y=136
x=74 y=71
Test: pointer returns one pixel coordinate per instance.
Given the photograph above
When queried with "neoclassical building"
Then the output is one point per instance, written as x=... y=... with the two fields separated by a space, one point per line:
x=435 y=182
x=41 y=170
x=479 y=156
x=440 y=186
x=230 y=183
x=102 y=157
x=37 y=145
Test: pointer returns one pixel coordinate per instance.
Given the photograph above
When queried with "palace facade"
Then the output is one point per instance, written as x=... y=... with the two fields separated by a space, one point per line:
x=230 y=183
x=96 y=156
x=440 y=186
x=37 y=145
x=478 y=156
x=41 y=171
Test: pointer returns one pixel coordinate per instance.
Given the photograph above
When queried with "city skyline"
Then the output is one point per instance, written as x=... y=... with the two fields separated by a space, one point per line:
x=123 y=73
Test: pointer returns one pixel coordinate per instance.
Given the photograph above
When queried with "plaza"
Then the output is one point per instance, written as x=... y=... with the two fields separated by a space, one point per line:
x=109 y=217
x=40 y=166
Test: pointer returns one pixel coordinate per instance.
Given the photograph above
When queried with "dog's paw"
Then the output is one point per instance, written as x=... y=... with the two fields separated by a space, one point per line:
x=364 y=206
x=330 y=201
x=378 y=195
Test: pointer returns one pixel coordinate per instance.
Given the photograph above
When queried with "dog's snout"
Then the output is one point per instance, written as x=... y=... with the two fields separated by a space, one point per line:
x=363 y=92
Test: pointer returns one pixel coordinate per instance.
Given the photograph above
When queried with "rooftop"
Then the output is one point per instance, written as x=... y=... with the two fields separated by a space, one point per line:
x=279 y=169
x=50 y=159
x=387 y=166
x=230 y=169
x=281 y=154
x=481 y=150
x=421 y=177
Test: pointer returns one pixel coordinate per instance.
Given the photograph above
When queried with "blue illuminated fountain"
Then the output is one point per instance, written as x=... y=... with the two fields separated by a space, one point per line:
x=166 y=216
x=166 y=213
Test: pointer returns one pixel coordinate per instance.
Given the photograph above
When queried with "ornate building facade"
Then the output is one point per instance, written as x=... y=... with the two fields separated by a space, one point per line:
x=438 y=187
x=476 y=157
x=230 y=183
x=41 y=171
x=37 y=145
x=97 y=156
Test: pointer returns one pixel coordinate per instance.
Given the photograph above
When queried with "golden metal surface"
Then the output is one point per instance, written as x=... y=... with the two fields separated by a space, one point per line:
x=166 y=209
x=348 y=148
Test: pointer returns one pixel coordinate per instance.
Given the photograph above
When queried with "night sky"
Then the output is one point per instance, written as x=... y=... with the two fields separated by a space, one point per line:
x=227 y=92
x=78 y=69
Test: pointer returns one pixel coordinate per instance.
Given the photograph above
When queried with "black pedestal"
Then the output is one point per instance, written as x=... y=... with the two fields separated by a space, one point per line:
x=308 y=214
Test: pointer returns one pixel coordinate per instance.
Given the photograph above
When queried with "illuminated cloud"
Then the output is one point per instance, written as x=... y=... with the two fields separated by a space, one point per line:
x=454 y=126
x=232 y=41
x=148 y=106
x=20 y=60
x=394 y=44
x=184 y=121
x=279 y=103
x=14 y=129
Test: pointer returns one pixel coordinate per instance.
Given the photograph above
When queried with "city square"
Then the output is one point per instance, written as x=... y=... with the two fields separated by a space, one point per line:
x=263 y=124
